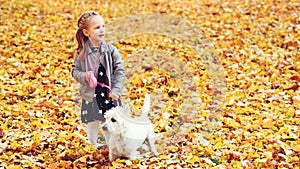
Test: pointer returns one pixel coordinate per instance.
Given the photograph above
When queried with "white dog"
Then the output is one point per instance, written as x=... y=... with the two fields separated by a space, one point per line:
x=125 y=135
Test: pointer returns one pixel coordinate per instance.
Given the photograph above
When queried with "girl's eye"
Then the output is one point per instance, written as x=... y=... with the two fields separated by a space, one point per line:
x=99 y=27
x=113 y=120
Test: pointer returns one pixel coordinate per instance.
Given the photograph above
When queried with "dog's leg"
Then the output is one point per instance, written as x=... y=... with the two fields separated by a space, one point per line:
x=151 y=139
x=145 y=147
x=152 y=145
x=112 y=156
x=107 y=137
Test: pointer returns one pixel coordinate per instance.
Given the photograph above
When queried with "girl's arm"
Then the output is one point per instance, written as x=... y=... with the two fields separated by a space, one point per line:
x=118 y=72
x=78 y=73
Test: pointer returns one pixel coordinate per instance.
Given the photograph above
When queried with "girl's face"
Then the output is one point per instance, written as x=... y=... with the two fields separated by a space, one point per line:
x=96 y=30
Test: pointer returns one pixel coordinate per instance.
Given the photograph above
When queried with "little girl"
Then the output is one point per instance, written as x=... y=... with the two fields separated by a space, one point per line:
x=96 y=58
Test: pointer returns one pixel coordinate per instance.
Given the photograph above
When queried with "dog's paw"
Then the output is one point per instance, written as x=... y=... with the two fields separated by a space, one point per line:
x=135 y=155
x=113 y=156
x=150 y=154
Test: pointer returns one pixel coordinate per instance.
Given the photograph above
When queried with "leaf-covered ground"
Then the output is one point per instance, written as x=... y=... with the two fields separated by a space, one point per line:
x=257 y=43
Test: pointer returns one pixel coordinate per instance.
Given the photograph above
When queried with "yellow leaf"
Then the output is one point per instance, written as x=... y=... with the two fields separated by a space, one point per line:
x=37 y=138
x=172 y=149
x=259 y=144
x=296 y=147
x=13 y=167
x=192 y=158
x=14 y=145
x=2 y=72
x=294 y=159
x=267 y=123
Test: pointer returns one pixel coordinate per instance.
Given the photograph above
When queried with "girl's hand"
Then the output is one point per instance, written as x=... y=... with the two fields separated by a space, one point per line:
x=113 y=96
x=88 y=75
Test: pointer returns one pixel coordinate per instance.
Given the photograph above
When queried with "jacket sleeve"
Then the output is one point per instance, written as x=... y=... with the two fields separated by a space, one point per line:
x=118 y=72
x=78 y=71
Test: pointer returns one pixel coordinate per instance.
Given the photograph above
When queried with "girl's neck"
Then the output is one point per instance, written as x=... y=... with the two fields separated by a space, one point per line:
x=95 y=44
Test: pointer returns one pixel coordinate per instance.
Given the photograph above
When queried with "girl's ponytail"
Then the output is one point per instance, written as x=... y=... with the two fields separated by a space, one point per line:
x=81 y=39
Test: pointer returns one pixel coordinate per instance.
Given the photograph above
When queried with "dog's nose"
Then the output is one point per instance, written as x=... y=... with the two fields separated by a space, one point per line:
x=104 y=127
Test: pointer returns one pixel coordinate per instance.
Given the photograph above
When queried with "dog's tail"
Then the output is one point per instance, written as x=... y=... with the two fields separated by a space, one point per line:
x=147 y=102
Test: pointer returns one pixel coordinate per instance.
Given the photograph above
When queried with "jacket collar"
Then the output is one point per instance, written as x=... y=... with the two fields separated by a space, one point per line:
x=101 y=47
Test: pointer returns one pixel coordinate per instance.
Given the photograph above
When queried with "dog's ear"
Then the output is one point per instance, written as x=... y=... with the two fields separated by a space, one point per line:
x=119 y=124
x=123 y=127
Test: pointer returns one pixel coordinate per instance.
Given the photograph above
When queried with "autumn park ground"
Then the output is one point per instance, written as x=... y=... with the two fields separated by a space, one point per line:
x=257 y=44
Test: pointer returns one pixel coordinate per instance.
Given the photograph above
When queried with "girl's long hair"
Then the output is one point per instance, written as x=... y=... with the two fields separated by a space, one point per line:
x=83 y=23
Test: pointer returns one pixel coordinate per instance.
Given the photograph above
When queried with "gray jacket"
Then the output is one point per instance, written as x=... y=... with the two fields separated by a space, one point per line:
x=113 y=63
